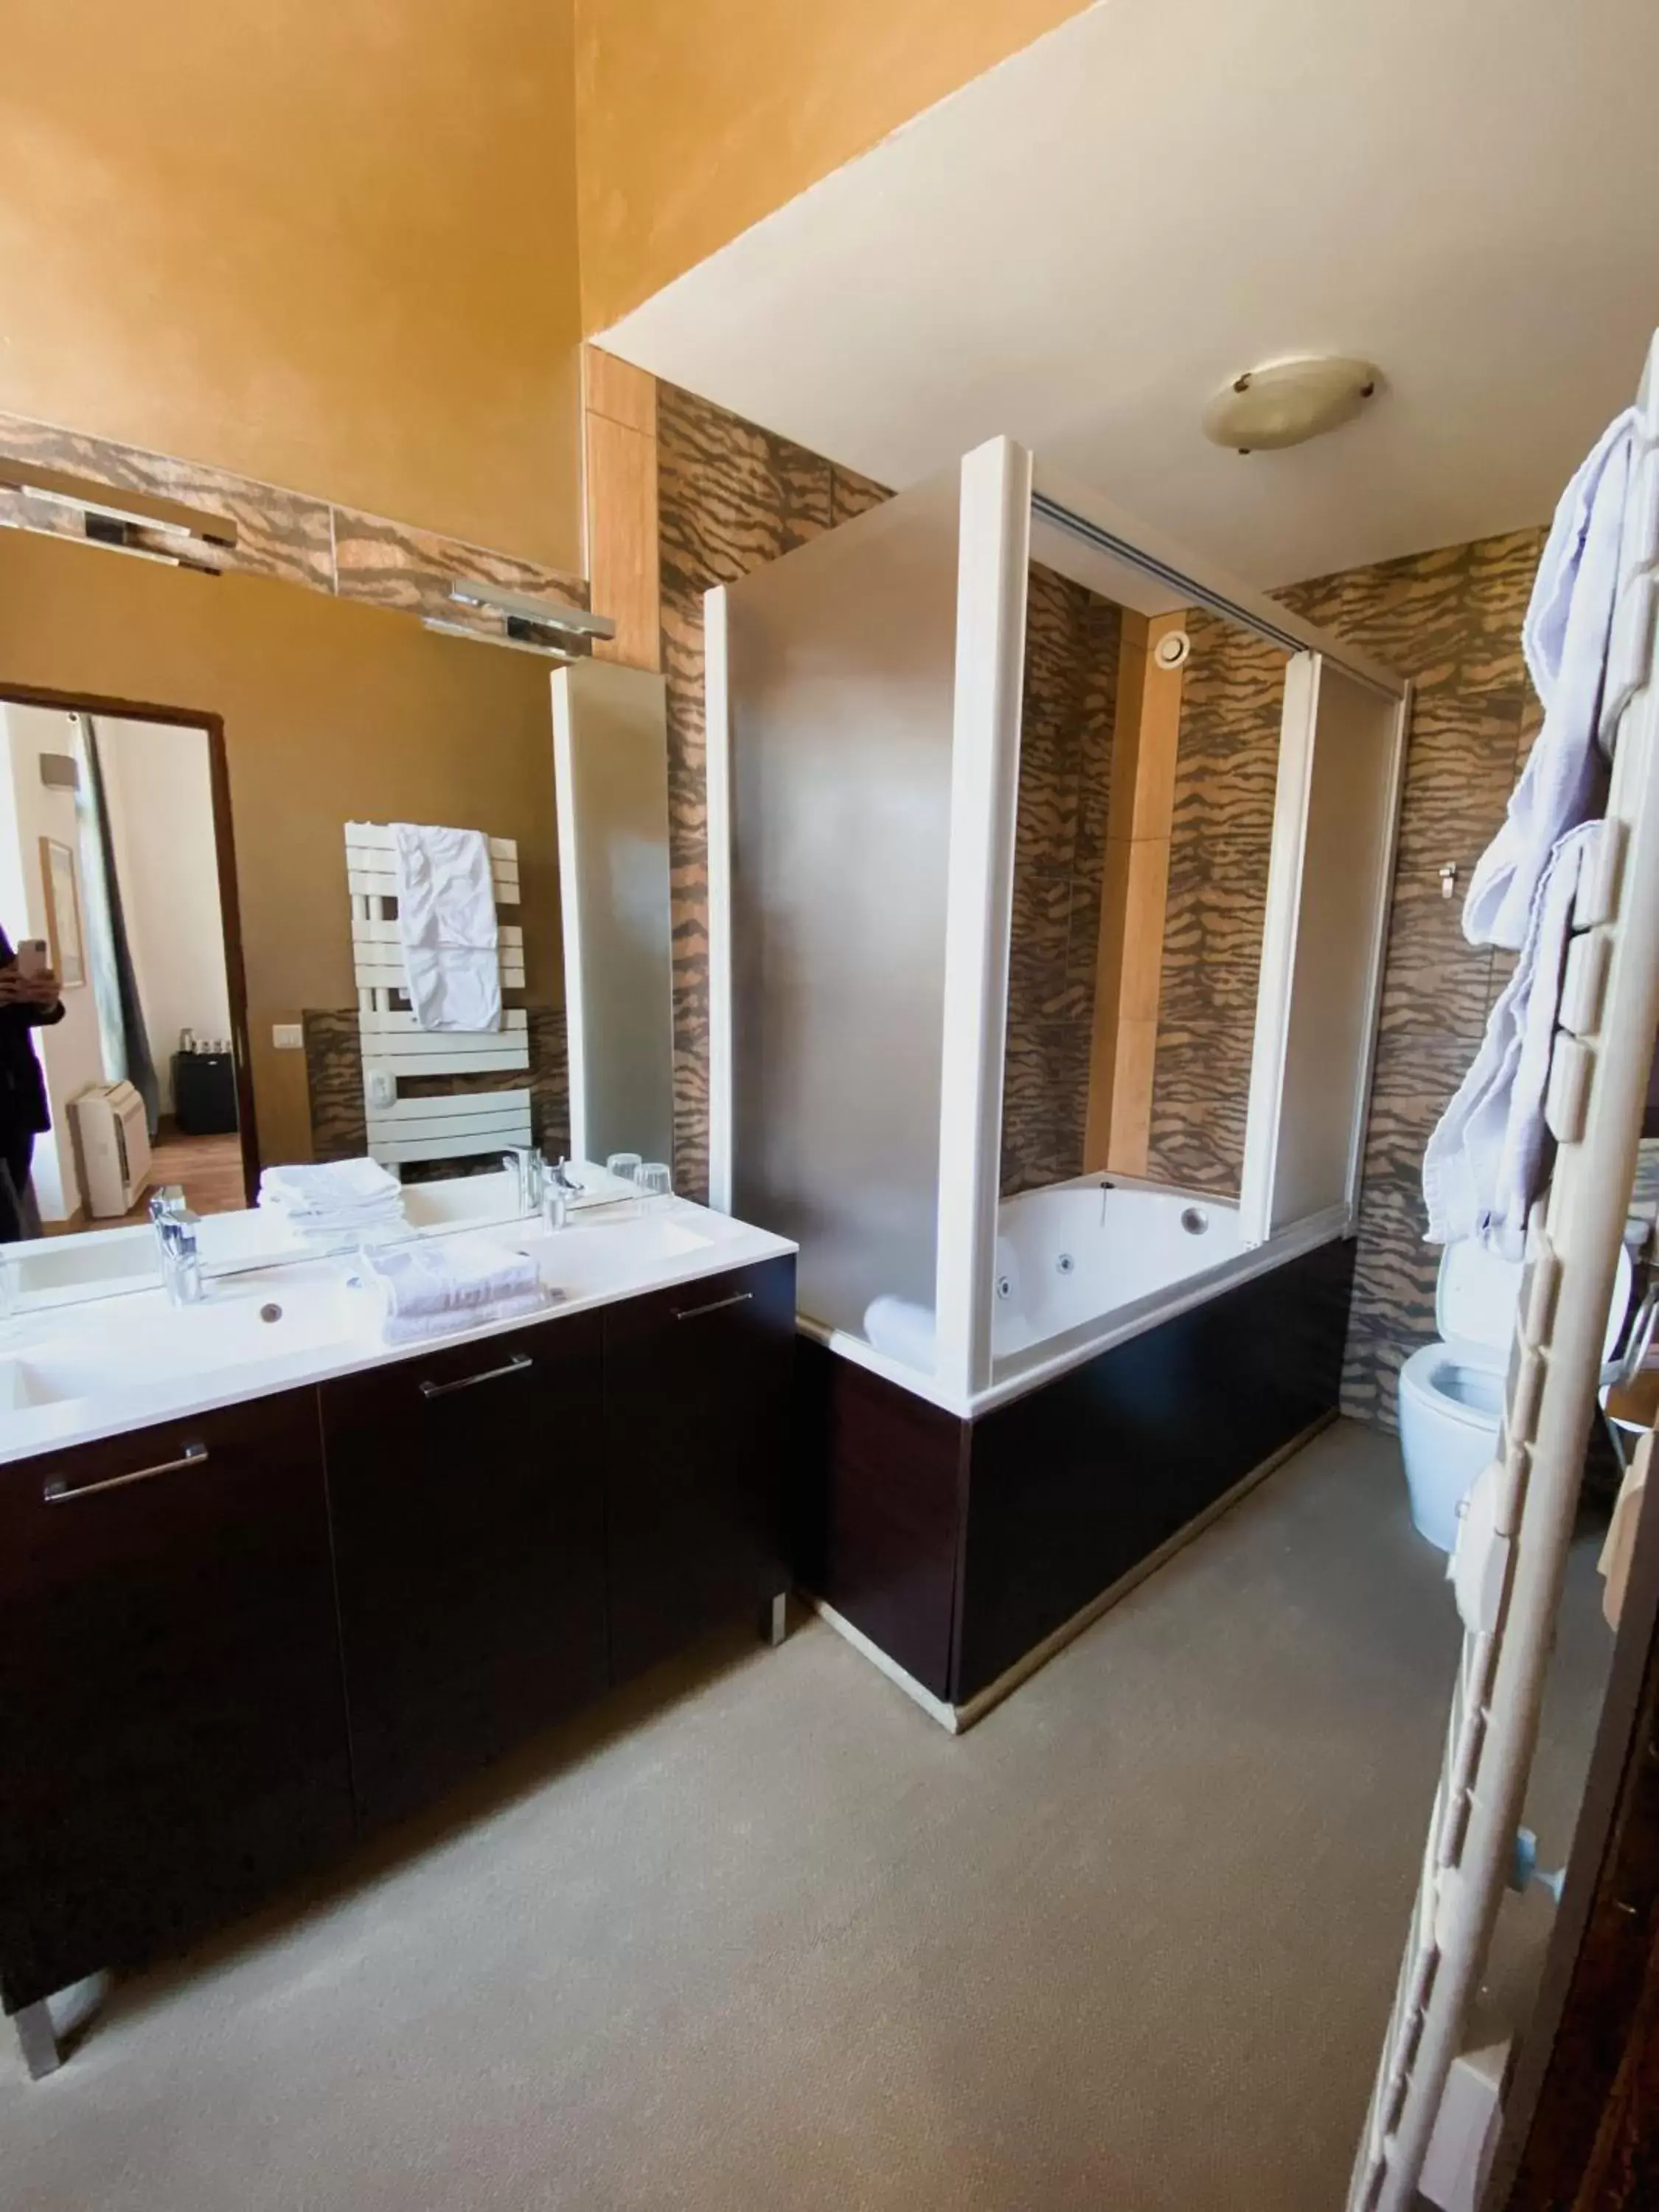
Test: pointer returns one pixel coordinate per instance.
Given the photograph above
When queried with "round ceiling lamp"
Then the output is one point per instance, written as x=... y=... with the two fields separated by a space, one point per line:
x=1285 y=403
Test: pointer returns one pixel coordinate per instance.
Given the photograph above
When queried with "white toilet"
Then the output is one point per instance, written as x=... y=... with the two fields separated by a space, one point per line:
x=1451 y=1394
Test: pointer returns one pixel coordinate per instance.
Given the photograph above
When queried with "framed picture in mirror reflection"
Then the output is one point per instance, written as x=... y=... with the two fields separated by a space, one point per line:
x=63 y=890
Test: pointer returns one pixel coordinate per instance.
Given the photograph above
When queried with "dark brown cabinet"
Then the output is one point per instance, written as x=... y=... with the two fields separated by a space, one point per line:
x=228 y=1644
x=467 y=1494
x=173 y=1740
x=697 y=1408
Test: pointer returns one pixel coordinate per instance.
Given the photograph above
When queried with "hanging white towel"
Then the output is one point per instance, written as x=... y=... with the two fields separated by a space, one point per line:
x=1565 y=640
x=1484 y=1162
x=447 y=920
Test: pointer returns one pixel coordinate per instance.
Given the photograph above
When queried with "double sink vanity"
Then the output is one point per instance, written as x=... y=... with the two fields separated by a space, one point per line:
x=266 y=1585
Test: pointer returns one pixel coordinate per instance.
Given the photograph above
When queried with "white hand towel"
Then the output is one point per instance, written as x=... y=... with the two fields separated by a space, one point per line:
x=328 y=1186
x=421 y=1328
x=1484 y=1164
x=901 y=1330
x=447 y=920
x=459 y=1278
x=1565 y=640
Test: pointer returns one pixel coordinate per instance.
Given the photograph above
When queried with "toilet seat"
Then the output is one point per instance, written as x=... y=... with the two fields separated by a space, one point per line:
x=1460 y=1382
x=1451 y=1392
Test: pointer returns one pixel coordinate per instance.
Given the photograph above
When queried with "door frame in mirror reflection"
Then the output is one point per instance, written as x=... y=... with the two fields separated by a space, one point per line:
x=101 y=707
x=610 y=793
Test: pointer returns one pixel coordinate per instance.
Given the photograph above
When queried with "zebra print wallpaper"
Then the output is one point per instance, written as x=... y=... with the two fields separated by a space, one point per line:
x=734 y=496
x=1071 y=639
x=1451 y=621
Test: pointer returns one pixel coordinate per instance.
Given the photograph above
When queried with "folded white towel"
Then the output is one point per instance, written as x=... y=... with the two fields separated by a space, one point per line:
x=447 y=920
x=331 y=1187
x=1565 y=640
x=420 y=1329
x=460 y=1279
x=1484 y=1164
x=902 y=1330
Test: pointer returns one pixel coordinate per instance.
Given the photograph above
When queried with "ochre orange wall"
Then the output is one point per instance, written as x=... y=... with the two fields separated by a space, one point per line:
x=696 y=118
x=333 y=246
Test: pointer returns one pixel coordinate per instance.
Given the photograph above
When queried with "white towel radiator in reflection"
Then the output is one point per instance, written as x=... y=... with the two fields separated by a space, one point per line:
x=434 y=1123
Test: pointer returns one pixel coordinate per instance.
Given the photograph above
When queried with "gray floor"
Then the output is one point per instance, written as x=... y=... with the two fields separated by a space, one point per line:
x=762 y=1935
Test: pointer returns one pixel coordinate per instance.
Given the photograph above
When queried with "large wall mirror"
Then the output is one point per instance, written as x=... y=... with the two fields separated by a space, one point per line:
x=182 y=757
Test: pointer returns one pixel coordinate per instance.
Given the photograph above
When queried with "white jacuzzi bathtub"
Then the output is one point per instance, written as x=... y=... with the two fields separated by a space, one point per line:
x=1069 y=1260
x=1079 y=1251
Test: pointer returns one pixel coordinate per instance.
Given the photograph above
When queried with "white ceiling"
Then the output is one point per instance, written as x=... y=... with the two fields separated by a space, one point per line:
x=1079 y=247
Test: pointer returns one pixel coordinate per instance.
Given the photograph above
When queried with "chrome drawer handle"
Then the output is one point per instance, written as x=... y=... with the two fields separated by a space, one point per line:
x=60 y=1492
x=715 y=1305
x=516 y=1365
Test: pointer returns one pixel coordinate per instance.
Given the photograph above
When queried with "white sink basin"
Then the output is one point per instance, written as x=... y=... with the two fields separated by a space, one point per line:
x=144 y=1341
x=460 y=1199
x=106 y=1260
x=598 y=1252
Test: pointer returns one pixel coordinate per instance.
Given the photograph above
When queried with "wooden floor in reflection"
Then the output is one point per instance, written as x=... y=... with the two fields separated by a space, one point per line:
x=209 y=1168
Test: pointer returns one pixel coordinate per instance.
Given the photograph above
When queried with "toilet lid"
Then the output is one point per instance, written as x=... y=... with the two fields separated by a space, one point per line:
x=1475 y=1294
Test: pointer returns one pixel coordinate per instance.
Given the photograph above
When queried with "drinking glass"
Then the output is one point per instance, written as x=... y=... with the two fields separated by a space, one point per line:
x=625 y=1164
x=656 y=1183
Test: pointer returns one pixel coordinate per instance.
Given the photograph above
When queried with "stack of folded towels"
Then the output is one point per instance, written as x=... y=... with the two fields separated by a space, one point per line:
x=336 y=1202
x=441 y=1286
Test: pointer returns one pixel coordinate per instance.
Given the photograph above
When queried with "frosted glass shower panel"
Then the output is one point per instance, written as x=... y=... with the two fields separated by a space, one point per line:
x=1340 y=752
x=839 y=688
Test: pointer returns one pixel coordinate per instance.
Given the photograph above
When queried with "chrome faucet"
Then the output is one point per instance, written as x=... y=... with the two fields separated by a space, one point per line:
x=557 y=1191
x=175 y=1227
x=528 y=1168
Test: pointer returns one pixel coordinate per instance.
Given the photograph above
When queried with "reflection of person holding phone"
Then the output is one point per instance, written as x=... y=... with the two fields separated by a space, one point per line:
x=28 y=1000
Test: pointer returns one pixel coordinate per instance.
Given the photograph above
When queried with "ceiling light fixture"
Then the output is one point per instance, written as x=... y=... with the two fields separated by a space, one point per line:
x=1286 y=403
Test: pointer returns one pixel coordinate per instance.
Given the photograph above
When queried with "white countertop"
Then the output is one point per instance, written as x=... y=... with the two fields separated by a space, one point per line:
x=125 y=1360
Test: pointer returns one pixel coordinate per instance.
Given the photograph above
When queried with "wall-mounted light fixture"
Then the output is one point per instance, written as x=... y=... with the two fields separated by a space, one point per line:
x=125 y=520
x=549 y=626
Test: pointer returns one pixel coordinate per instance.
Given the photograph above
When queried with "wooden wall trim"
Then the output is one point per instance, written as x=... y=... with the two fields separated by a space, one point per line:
x=1129 y=971
x=619 y=448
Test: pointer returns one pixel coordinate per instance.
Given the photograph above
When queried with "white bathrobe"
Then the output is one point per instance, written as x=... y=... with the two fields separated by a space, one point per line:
x=1487 y=1157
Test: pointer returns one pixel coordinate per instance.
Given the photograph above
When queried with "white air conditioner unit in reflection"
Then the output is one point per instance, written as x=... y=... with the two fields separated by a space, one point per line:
x=114 y=1145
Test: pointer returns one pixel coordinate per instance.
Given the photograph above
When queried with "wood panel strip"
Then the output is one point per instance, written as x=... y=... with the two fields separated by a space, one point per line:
x=623 y=542
x=1129 y=967
x=614 y=388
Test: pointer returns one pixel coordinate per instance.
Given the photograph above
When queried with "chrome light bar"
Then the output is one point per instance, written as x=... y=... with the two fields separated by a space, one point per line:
x=123 y=520
x=513 y=643
x=538 y=614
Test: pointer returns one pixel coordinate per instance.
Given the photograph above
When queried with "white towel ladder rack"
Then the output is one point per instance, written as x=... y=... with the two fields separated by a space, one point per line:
x=432 y=1126
x=1598 y=1083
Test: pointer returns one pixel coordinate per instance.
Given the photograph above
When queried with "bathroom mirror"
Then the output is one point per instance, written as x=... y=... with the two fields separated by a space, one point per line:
x=236 y=725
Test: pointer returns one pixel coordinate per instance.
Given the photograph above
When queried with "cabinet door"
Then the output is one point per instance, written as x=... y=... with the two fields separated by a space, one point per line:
x=469 y=1535
x=696 y=1403
x=173 y=1740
